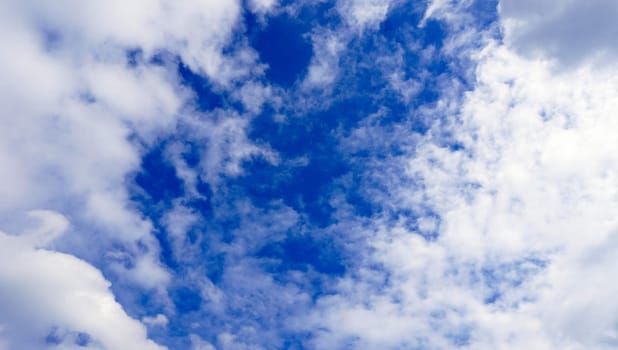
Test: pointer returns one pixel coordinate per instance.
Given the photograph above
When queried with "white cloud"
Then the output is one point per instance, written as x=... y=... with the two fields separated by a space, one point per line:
x=198 y=343
x=60 y=149
x=178 y=221
x=157 y=321
x=324 y=67
x=253 y=95
x=224 y=137
x=361 y=14
x=149 y=25
x=76 y=115
x=546 y=163
x=465 y=36
x=262 y=6
x=527 y=224
x=45 y=292
x=525 y=211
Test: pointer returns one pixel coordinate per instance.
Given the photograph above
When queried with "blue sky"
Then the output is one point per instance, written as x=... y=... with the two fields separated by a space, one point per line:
x=346 y=174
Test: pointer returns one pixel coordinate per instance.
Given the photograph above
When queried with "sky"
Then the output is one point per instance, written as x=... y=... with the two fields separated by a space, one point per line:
x=310 y=174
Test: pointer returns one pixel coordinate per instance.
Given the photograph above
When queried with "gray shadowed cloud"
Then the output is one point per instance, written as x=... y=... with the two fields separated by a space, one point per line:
x=569 y=32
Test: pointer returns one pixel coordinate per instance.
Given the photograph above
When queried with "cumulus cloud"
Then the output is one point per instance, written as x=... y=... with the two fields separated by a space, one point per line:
x=83 y=97
x=543 y=159
x=72 y=103
x=50 y=299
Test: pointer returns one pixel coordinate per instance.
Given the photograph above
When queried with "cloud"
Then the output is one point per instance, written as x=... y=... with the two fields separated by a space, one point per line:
x=83 y=99
x=158 y=321
x=55 y=296
x=519 y=182
x=324 y=66
x=86 y=100
x=543 y=159
x=569 y=32
x=147 y=25
x=427 y=185
x=361 y=14
x=65 y=151
x=262 y=6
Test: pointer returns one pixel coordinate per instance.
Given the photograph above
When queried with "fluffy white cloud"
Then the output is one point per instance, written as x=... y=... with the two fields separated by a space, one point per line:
x=76 y=114
x=70 y=105
x=197 y=30
x=527 y=228
x=54 y=300
x=68 y=90
x=543 y=157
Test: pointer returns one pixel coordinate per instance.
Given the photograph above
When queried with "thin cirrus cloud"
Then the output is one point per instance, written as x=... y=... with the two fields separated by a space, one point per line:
x=308 y=175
